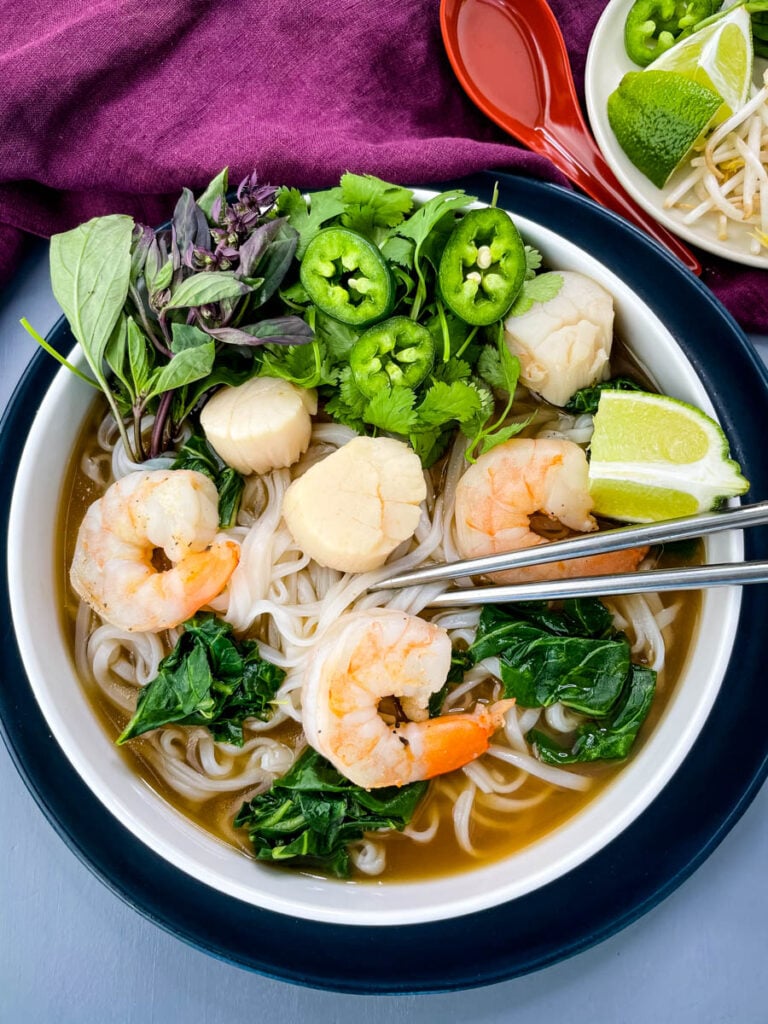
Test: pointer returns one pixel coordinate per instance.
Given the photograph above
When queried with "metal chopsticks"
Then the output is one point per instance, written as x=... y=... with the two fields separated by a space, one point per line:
x=687 y=578
x=598 y=543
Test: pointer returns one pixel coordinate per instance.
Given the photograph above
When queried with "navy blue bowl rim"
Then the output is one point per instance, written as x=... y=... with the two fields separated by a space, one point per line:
x=613 y=888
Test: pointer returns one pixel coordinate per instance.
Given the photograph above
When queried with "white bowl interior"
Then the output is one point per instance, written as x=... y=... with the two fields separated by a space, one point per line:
x=607 y=63
x=32 y=547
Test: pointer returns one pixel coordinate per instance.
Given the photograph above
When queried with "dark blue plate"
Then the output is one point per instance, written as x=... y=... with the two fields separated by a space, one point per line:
x=638 y=869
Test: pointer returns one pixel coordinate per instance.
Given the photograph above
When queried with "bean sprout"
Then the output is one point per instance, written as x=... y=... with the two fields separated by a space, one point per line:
x=729 y=180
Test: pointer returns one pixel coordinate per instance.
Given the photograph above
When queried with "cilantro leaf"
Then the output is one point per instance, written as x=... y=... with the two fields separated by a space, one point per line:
x=392 y=410
x=533 y=260
x=348 y=403
x=499 y=368
x=490 y=440
x=445 y=402
x=309 y=219
x=399 y=250
x=430 y=444
x=308 y=366
x=418 y=228
x=371 y=205
x=338 y=338
x=538 y=289
x=454 y=369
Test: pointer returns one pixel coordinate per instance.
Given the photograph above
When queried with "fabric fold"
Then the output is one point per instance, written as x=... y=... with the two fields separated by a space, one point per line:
x=114 y=106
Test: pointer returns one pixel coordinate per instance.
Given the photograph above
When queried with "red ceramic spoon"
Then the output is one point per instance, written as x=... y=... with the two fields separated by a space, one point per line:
x=510 y=58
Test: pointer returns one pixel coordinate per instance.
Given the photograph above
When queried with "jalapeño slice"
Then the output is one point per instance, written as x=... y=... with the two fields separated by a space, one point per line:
x=482 y=268
x=397 y=352
x=346 y=277
x=653 y=26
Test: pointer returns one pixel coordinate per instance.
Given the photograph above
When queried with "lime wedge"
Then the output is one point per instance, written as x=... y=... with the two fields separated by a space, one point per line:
x=718 y=57
x=657 y=116
x=652 y=457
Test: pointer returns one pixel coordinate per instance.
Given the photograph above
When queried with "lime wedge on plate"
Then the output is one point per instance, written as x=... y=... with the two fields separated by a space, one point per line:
x=657 y=116
x=718 y=57
x=652 y=458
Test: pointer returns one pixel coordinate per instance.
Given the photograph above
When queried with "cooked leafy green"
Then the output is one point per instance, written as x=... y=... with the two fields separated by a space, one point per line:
x=588 y=399
x=311 y=815
x=610 y=737
x=196 y=454
x=209 y=679
x=573 y=655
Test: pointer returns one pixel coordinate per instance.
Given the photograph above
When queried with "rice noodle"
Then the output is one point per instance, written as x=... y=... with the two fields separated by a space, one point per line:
x=462 y=818
x=287 y=602
x=368 y=856
x=427 y=834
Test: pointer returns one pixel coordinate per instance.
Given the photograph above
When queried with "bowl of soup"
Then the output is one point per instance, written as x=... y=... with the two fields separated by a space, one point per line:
x=503 y=823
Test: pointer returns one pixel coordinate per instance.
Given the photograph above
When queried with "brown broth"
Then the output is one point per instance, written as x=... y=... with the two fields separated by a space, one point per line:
x=406 y=859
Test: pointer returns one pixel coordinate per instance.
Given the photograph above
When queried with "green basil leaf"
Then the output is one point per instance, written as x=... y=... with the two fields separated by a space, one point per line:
x=187 y=336
x=90 y=275
x=217 y=189
x=205 y=288
x=116 y=352
x=189 y=365
x=138 y=356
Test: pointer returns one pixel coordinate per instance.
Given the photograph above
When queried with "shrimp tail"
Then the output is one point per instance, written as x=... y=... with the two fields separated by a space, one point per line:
x=451 y=741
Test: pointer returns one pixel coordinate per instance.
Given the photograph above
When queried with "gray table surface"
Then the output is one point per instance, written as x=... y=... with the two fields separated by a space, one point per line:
x=72 y=953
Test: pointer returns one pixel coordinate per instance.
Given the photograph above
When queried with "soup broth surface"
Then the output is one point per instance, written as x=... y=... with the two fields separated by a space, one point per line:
x=533 y=809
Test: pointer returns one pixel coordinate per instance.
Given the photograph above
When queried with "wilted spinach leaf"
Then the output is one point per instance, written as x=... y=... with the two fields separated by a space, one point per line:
x=311 y=815
x=209 y=679
x=588 y=399
x=571 y=654
x=196 y=454
x=610 y=737
x=547 y=655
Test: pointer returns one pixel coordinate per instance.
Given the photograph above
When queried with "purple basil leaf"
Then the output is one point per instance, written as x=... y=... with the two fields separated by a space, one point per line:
x=275 y=263
x=188 y=227
x=216 y=208
x=254 y=247
x=281 y=330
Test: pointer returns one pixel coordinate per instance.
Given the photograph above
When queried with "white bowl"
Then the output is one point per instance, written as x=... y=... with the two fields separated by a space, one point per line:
x=607 y=63
x=32 y=550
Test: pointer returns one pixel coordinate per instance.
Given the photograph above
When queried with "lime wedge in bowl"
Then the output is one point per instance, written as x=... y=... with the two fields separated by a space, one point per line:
x=653 y=457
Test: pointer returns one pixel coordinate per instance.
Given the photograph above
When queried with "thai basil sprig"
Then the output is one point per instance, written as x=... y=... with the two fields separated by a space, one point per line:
x=175 y=313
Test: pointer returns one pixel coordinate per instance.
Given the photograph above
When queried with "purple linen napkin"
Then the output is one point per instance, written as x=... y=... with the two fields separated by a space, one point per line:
x=114 y=106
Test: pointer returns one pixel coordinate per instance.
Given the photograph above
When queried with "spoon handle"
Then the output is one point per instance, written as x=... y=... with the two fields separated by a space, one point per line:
x=580 y=160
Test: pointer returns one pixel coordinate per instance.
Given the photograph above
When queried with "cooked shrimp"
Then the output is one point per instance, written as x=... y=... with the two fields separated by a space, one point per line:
x=563 y=343
x=496 y=497
x=380 y=653
x=173 y=510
